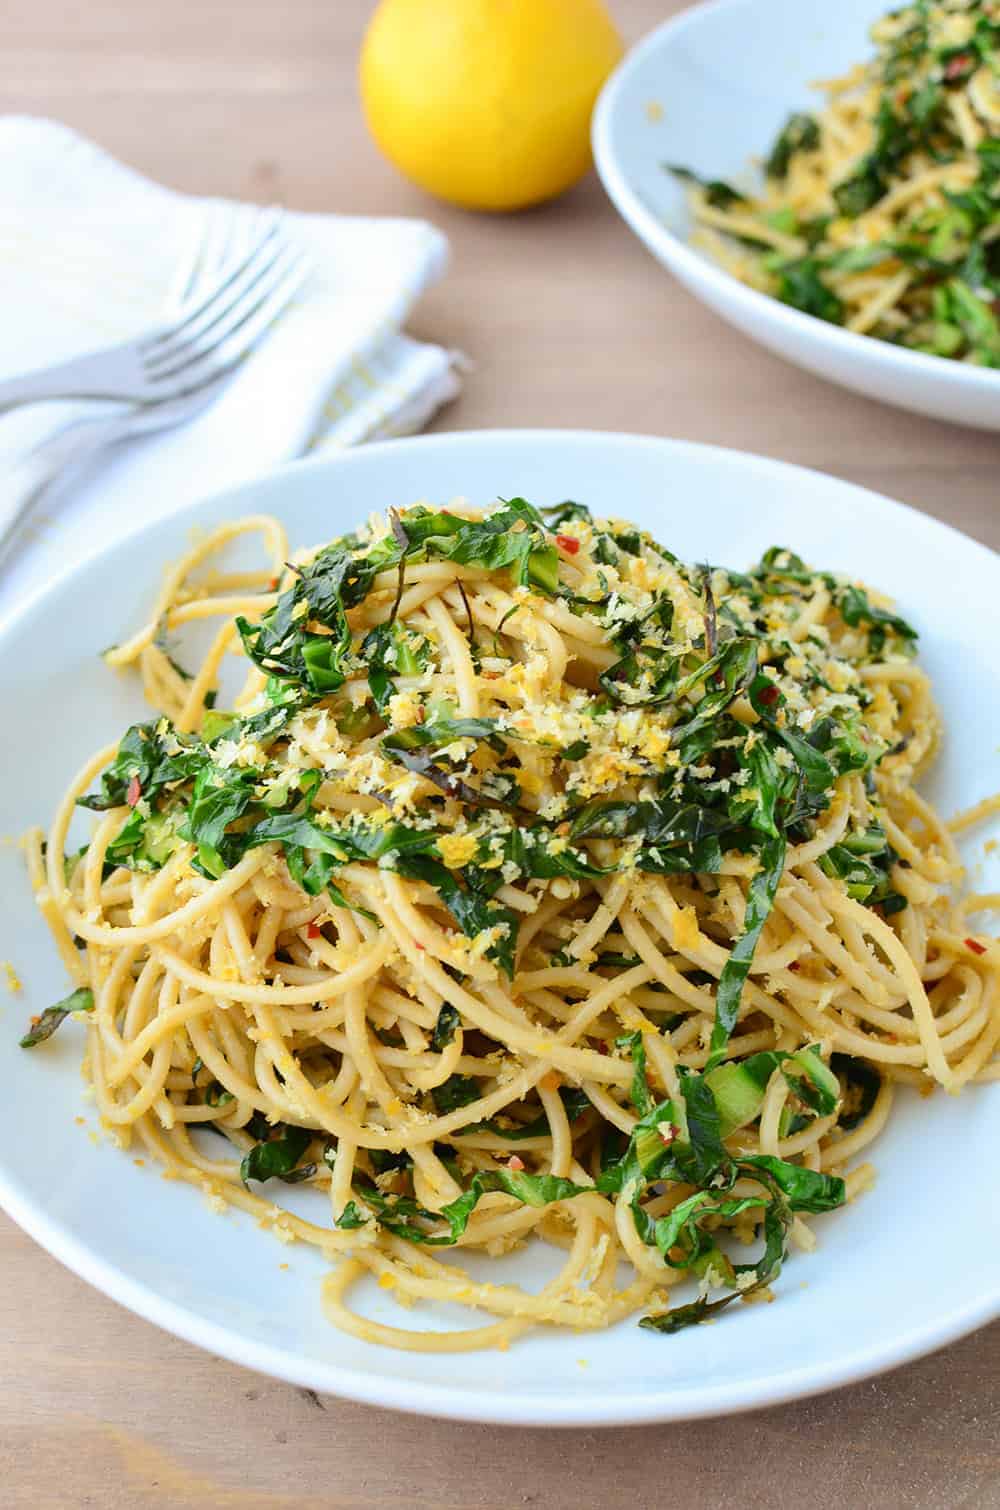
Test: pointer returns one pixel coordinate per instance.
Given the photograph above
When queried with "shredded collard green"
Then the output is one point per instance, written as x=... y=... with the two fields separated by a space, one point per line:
x=712 y=788
x=81 y=1000
x=693 y=1154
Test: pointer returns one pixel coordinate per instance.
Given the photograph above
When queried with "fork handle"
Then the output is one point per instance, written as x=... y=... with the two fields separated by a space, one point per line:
x=20 y=489
x=80 y=377
x=55 y=462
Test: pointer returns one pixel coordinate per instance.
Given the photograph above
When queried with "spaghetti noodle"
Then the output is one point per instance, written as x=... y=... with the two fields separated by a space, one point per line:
x=882 y=211
x=534 y=884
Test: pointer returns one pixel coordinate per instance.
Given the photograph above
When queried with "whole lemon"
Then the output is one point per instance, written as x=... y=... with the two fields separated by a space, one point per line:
x=487 y=103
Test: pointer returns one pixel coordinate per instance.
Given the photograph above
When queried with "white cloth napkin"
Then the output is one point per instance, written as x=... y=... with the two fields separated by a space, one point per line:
x=90 y=253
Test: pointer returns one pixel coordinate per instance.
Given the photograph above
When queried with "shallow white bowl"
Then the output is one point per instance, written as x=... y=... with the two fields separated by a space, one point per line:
x=904 y=1270
x=725 y=76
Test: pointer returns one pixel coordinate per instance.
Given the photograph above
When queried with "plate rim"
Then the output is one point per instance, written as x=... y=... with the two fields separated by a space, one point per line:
x=658 y=237
x=458 y=1402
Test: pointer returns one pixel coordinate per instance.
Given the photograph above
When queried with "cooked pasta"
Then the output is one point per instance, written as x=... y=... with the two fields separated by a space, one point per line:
x=534 y=885
x=882 y=211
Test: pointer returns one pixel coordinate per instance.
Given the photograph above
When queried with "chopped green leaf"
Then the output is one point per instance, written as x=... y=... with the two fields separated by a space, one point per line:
x=277 y=1155
x=445 y=1028
x=800 y=133
x=80 y=1000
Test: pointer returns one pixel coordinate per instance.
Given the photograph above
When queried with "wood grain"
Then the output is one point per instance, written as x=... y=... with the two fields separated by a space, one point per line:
x=568 y=322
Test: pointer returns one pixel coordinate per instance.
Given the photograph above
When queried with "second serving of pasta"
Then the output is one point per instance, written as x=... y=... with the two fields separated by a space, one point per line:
x=881 y=209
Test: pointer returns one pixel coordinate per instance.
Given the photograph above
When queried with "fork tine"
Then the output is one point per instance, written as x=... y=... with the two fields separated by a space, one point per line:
x=198 y=271
x=236 y=340
x=242 y=231
x=267 y=232
x=216 y=252
x=271 y=302
x=185 y=279
x=234 y=243
x=223 y=310
x=229 y=321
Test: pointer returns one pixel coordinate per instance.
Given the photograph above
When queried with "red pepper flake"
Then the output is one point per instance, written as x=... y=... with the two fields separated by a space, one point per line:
x=272 y=586
x=515 y=1163
x=958 y=66
x=667 y=1131
x=568 y=543
x=420 y=946
x=975 y=946
x=314 y=932
x=133 y=791
x=794 y=965
x=769 y=695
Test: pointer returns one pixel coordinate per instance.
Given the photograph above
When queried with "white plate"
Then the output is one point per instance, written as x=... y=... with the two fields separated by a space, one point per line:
x=905 y=1269
x=725 y=76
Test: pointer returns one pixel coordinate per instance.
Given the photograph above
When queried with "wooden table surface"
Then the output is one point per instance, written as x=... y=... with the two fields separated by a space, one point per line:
x=568 y=322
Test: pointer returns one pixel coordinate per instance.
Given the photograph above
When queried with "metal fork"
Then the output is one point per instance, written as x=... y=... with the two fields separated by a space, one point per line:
x=207 y=338
x=64 y=455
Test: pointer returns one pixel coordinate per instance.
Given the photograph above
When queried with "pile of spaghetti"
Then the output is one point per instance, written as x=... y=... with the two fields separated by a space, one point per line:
x=882 y=212
x=535 y=883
